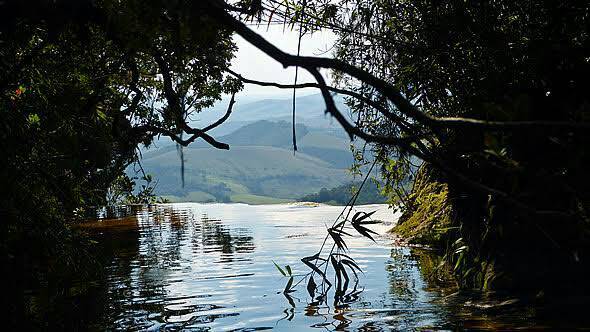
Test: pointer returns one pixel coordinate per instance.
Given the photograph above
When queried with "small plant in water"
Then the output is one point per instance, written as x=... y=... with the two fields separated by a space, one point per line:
x=342 y=264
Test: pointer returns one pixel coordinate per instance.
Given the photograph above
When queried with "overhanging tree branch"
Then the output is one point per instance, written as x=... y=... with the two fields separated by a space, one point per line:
x=312 y=65
x=397 y=120
x=184 y=142
x=232 y=101
x=218 y=11
x=195 y=132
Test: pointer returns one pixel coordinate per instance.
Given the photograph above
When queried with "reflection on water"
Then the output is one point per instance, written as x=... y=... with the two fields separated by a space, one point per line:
x=209 y=267
x=165 y=265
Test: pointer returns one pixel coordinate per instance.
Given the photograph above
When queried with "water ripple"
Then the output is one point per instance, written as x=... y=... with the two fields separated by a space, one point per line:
x=209 y=267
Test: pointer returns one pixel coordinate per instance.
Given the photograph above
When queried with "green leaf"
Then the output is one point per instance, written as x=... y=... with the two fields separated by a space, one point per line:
x=288 y=286
x=461 y=249
x=459 y=260
x=279 y=268
x=101 y=115
x=34 y=119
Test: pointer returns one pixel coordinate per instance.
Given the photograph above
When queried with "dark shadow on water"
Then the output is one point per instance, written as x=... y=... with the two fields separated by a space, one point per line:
x=491 y=311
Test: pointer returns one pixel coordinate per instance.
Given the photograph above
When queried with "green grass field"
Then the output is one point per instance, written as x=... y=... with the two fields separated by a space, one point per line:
x=258 y=168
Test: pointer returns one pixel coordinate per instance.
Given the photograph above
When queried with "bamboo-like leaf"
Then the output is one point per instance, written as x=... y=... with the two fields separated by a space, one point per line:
x=312 y=258
x=291 y=302
x=340 y=224
x=343 y=272
x=340 y=232
x=288 y=286
x=279 y=268
x=364 y=231
x=343 y=255
x=357 y=218
x=288 y=268
x=345 y=276
x=351 y=263
x=459 y=260
x=336 y=266
x=371 y=222
x=337 y=239
x=461 y=249
x=337 y=271
x=370 y=230
x=316 y=269
x=272 y=12
x=353 y=266
x=459 y=240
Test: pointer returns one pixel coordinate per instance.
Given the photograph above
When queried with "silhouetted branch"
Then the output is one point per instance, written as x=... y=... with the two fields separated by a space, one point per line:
x=350 y=129
x=388 y=90
x=312 y=65
x=333 y=110
x=225 y=116
x=177 y=109
x=391 y=116
x=195 y=132
x=169 y=92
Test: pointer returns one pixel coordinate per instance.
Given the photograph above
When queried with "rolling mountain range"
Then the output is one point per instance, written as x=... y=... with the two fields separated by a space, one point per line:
x=260 y=166
x=310 y=111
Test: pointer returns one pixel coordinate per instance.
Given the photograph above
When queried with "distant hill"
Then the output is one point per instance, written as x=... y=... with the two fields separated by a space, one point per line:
x=260 y=166
x=327 y=145
x=262 y=171
x=265 y=133
x=310 y=111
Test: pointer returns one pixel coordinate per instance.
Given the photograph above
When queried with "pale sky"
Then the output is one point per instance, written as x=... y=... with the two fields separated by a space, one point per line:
x=254 y=64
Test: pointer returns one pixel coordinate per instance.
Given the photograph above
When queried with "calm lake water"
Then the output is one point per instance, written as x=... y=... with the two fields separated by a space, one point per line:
x=210 y=267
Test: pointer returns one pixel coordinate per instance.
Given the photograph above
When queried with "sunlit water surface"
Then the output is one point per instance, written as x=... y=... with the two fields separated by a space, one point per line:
x=210 y=267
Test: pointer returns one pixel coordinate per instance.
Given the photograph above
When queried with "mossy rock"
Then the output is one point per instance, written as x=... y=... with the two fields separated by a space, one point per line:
x=429 y=218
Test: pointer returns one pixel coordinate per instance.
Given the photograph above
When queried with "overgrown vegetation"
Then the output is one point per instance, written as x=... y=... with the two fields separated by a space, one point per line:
x=428 y=218
x=492 y=96
x=83 y=84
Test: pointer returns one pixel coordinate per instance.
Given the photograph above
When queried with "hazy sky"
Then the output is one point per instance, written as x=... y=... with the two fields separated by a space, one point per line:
x=252 y=63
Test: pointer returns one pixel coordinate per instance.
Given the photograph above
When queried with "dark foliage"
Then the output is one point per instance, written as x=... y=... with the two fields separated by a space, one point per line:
x=82 y=85
x=499 y=105
x=490 y=94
